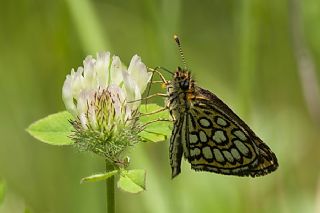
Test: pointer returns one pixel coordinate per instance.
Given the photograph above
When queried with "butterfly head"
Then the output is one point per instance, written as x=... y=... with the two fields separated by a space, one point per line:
x=182 y=81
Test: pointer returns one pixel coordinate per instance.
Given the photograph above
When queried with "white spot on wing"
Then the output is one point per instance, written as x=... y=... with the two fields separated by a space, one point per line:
x=228 y=156
x=235 y=154
x=219 y=136
x=193 y=138
x=203 y=136
x=221 y=121
x=204 y=122
x=242 y=148
x=195 y=152
x=207 y=153
x=218 y=155
x=240 y=135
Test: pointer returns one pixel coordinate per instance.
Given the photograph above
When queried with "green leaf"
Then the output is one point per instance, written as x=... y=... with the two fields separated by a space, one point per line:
x=133 y=181
x=157 y=131
x=98 y=177
x=148 y=136
x=2 y=190
x=54 y=129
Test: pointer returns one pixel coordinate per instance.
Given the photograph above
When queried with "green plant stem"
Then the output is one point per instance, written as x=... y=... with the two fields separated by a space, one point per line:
x=110 y=190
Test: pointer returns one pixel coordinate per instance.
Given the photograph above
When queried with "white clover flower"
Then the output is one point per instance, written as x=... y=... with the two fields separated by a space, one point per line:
x=97 y=95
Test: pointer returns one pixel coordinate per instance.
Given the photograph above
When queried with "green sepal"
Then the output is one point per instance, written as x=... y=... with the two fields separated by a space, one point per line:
x=133 y=181
x=98 y=177
x=54 y=129
x=157 y=131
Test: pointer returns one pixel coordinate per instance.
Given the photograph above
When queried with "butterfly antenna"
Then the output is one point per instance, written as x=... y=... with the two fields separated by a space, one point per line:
x=176 y=38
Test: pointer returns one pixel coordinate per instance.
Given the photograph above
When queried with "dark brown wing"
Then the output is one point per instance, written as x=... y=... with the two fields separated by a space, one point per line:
x=219 y=141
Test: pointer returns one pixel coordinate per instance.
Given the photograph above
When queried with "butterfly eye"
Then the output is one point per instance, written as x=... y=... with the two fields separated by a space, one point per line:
x=184 y=85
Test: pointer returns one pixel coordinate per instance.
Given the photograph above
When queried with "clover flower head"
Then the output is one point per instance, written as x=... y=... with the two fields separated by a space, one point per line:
x=103 y=98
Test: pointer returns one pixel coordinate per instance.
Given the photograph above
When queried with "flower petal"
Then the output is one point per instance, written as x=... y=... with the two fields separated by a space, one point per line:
x=82 y=106
x=139 y=73
x=67 y=95
x=90 y=76
x=71 y=88
x=118 y=98
x=102 y=68
x=132 y=91
x=116 y=71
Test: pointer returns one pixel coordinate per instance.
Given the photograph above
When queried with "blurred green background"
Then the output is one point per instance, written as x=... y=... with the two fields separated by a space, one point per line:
x=261 y=57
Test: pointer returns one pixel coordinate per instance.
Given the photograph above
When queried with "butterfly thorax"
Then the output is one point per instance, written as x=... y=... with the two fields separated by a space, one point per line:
x=179 y=91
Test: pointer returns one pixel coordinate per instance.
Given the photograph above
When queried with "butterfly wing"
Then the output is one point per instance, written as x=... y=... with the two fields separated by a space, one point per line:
x=217 y=140
x=176 y=149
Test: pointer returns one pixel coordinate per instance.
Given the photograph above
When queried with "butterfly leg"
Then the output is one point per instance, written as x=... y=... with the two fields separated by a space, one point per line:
x=150 y=96
x=156 y=82
x=163 y=80
x=154 y=112
x=142 y=127
x=156 y=70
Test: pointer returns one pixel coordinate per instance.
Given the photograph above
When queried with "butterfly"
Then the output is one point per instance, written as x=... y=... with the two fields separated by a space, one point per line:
x=209 y=134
